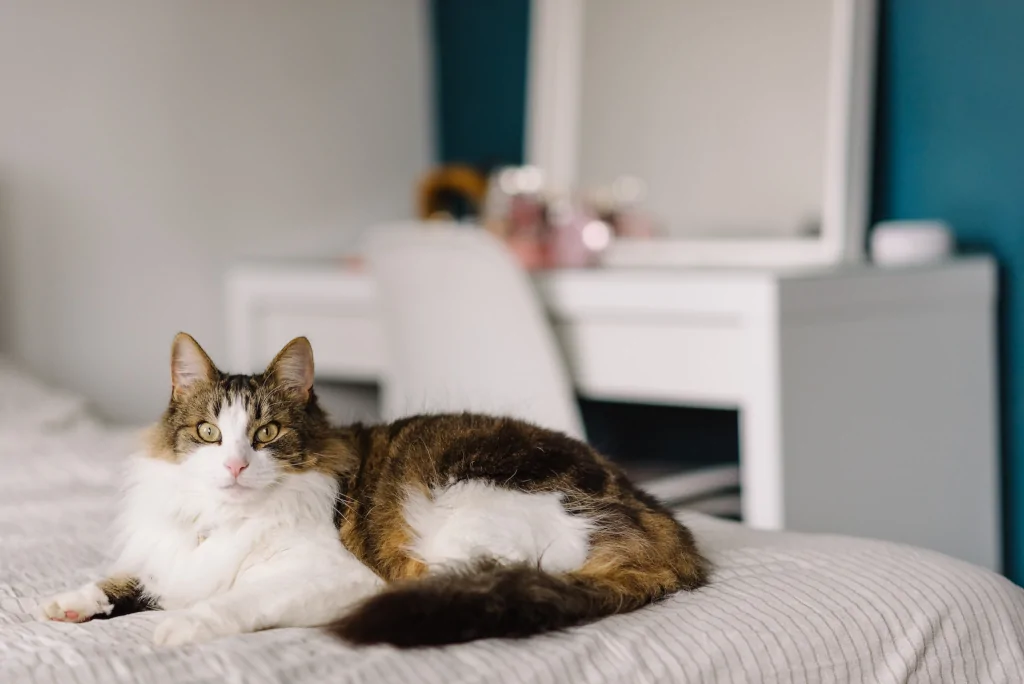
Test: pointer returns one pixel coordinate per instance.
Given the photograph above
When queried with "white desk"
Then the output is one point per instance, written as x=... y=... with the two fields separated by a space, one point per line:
x=867 y=397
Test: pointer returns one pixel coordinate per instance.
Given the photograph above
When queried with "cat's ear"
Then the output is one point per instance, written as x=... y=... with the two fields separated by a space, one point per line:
x=189 y=364
x=292 y=368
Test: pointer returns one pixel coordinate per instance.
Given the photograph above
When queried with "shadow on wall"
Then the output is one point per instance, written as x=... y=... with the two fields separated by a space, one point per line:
x=6 y=279
x=84 y=290
x=28 y=282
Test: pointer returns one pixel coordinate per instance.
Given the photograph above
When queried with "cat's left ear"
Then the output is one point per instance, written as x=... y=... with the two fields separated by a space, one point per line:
x=292 y=368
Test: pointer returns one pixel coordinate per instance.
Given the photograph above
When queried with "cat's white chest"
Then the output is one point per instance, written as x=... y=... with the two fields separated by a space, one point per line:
x=179 y=565
x=186 y=545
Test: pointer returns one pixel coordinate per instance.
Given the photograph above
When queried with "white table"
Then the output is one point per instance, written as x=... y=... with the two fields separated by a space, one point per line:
x=867 y=397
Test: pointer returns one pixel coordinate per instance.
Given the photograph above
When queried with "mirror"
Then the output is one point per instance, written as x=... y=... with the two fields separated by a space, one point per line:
x=745 y=123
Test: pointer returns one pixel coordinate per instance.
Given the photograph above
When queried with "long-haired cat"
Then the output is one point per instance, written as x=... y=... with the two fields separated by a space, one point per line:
x=248 y=510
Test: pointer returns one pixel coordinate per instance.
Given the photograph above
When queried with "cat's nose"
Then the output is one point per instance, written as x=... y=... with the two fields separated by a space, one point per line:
x=235 y=467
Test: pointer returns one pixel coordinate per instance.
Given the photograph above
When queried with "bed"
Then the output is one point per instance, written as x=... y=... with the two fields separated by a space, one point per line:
x=780 y=608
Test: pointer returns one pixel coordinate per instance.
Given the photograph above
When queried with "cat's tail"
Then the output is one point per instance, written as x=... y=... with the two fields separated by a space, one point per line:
x=490 y=600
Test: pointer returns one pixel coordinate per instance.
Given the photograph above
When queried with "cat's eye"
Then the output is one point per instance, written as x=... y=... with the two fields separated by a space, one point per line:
x=268 y=433
x=208 y=432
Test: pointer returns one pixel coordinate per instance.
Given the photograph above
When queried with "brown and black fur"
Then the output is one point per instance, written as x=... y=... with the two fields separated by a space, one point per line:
x=126 y=595
x=638 y=552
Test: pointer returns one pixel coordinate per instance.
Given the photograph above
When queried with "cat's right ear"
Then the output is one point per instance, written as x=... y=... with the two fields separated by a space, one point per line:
x=189 y=364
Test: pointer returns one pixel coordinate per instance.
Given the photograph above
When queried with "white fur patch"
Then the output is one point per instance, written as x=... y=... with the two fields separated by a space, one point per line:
x=187 y=627
x=225 y=556
x=187 y=541
x=473 y=519
x=224 y=563
x=79 y=605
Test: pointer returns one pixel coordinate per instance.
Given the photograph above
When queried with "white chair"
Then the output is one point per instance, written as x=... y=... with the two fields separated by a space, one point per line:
x=465 y=329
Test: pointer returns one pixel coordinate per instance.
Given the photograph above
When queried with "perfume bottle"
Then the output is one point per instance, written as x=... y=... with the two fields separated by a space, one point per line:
x=515 y=213
x=578 y=234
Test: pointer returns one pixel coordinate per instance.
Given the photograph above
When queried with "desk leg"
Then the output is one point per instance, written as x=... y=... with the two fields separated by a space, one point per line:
x=761 y=474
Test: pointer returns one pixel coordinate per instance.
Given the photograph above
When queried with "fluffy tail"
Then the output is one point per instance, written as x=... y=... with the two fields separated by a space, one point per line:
x=491 y=600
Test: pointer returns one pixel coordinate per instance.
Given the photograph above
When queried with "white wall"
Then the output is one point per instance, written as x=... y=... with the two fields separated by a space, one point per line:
x=145 y=144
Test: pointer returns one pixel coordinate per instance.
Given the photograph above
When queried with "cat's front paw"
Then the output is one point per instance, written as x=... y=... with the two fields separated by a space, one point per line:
x=187 y=627
x=79 y=605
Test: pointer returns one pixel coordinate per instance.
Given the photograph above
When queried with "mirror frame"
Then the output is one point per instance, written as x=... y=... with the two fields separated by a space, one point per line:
x=553 y=127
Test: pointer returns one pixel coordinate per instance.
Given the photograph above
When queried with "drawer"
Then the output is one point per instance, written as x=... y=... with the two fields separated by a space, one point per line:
x=684 y=362
x=346 y=346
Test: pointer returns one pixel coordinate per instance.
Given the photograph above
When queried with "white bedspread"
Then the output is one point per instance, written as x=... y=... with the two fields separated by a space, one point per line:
x=780 y=608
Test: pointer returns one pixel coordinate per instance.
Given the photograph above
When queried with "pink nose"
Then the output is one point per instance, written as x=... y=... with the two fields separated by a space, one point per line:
x=236 y=467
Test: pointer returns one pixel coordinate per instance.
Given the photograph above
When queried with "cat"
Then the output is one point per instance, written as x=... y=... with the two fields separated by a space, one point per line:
x=247 y=510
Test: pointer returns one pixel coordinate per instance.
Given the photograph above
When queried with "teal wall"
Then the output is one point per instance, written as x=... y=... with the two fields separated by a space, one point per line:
x=950 y=144
x=480 y=69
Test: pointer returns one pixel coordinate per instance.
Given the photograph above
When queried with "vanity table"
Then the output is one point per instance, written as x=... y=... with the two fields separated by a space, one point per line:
x=867 y=396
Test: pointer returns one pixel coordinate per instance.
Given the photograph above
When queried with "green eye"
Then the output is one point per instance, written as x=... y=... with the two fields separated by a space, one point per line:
x=208 y=432
x=267 y=433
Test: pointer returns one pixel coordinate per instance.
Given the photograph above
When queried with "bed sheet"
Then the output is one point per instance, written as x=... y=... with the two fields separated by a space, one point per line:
x=780 y=607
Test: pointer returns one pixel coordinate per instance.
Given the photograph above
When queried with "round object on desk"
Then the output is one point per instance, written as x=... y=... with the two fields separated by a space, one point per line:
x=451 y=192
x=895 y=243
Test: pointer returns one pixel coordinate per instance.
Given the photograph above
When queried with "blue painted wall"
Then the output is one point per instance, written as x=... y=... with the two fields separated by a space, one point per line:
x=950 y=144
x=480 y=67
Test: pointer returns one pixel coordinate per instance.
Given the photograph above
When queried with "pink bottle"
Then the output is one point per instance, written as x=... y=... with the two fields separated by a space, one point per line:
x=577 y=236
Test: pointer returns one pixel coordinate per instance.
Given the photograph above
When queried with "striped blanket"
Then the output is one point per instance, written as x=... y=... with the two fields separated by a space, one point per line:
x=780 y=607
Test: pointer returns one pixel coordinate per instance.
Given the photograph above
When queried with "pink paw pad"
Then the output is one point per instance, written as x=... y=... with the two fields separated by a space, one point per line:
x=70 y=614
